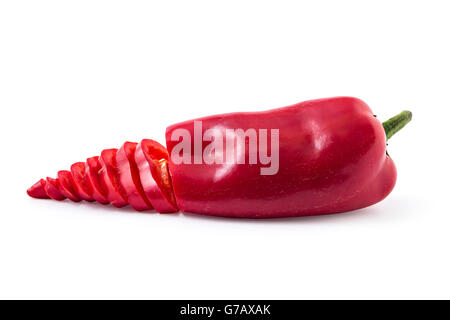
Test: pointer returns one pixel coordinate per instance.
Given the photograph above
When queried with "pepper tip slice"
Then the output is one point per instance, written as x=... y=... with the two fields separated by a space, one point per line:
x=37 y=190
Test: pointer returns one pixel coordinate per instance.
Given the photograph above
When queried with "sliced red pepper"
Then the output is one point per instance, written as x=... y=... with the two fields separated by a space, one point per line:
x=52 y=189
x=152 y=162
x=326 y=156
x=129 y=177
x=80 y=178
x=37 y=190
x=99 y=191
x=116 y=194
x=67 y=186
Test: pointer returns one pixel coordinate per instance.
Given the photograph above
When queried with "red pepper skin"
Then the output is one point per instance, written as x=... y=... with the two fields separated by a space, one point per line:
x=332 y=158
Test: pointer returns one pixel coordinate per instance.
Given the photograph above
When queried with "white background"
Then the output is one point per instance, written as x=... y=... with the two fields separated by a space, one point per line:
x=80 y=76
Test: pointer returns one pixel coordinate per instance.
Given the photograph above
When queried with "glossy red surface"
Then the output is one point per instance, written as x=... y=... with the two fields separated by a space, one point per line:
x=332 y=158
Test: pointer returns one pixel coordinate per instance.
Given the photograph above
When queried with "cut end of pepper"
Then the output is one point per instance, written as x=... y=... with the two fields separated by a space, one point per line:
x=37 y=190
x=396 y=123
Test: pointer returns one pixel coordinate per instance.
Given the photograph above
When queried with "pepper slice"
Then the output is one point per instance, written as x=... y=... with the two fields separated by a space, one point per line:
x=67 y=186
x=152 y=162
x=99 y=191
x=52 y=189
x=116 y=195
x=37 y=190
x=129 y=177
x=80 y=179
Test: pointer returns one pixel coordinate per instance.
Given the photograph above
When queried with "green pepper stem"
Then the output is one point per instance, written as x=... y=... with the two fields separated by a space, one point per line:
x=395 y=124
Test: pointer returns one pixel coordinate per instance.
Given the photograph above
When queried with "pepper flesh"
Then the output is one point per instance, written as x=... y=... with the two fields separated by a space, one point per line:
x=151 y=160
x=332 y=158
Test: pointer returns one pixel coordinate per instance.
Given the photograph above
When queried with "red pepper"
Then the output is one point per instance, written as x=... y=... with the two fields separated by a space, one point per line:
x=316 y=157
